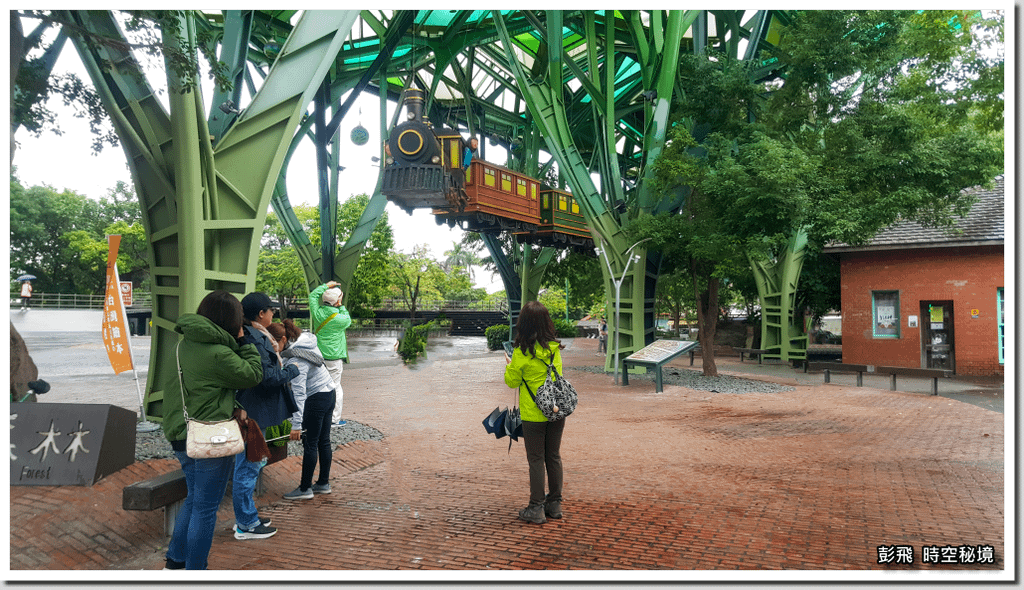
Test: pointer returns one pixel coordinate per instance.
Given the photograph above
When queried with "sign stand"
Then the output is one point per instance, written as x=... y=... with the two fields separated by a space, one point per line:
x=655 y=355
x=116 y=336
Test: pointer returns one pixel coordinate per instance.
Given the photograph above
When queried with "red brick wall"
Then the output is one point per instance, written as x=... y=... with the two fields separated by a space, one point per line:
x=967 y=276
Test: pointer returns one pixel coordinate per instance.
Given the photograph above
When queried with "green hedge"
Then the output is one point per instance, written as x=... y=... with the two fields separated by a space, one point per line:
x=496 y=335
x=414 y=342
x=566 y=329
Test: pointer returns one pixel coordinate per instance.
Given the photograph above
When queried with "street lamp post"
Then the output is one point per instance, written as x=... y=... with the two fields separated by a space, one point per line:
x=603 y=252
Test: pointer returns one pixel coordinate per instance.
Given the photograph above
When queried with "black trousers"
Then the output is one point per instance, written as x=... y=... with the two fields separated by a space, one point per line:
x=316 y=441
x=543 y=442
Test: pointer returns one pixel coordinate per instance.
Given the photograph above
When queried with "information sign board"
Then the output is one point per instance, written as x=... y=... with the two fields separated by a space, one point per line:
x=661 y=351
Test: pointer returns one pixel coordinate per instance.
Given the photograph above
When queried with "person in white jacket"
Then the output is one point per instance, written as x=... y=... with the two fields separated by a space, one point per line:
x=314 y=393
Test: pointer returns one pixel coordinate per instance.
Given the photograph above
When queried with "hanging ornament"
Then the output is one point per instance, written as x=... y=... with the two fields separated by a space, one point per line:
x=359 y=133
x=271 y=48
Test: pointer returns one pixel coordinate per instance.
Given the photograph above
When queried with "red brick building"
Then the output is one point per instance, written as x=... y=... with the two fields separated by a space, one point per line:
x=931 y=298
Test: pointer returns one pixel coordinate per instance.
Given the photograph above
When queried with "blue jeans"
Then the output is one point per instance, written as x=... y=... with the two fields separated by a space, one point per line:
x=243 y=485
x=206 y=479
x=316 y=441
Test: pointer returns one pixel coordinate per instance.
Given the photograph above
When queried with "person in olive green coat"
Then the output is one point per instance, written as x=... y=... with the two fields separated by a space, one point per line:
x=329 y=319
x=535 y=347
x=213 y=365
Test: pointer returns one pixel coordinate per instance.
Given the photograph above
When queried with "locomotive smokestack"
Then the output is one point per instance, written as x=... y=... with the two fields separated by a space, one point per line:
x=414 y=104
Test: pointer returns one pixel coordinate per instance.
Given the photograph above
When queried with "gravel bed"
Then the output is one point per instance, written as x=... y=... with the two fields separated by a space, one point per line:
x=696 y=380
x=153 y=445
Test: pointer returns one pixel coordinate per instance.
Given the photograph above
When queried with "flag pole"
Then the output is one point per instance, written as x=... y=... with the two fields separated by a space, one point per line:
x=144 y=425
x=114 y=324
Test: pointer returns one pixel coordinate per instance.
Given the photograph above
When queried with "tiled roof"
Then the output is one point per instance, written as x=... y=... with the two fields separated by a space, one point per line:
x=984 y=224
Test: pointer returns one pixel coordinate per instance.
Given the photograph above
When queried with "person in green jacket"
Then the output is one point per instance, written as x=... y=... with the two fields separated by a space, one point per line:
x=213 y=366
x=329 y=319
x=535 y=347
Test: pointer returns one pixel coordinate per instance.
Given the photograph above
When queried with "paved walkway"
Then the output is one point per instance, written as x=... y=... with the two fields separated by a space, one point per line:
x=694 y=483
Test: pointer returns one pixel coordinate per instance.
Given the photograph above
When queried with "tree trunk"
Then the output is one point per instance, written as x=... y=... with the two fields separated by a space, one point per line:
x=283 y=302
x=707 y=323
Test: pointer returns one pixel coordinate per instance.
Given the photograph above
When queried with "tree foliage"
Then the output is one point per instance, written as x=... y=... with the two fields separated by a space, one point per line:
x=34 y=84
x=60 y=237
x=280 y=272
x=583 y=274
x=879 y=116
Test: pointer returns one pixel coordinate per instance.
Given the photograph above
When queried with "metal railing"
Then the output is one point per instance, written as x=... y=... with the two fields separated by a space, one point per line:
x=76 y=300
x=143 y=299
x=439 y=304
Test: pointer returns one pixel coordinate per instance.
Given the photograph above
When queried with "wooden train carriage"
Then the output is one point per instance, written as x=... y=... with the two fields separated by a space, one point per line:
x=499 y=199
x=561 y=223
x=415 y=180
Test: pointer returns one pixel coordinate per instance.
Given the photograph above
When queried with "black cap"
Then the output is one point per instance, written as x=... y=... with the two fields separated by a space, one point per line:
x=254 y=303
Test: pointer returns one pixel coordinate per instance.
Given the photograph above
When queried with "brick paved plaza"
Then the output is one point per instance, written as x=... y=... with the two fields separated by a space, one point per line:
x=805 y=484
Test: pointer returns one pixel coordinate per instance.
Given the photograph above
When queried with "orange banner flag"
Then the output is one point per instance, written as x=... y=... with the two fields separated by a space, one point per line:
x=115 y=328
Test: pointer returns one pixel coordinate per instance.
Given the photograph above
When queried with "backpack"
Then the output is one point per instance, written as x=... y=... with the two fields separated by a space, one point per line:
x=556 y=398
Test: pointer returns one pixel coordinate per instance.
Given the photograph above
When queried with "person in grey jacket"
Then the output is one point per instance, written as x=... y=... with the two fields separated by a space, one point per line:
x=314 y=393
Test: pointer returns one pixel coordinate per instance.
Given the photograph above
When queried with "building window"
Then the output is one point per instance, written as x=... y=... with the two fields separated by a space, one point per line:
x=885 y=308
x=999 y=311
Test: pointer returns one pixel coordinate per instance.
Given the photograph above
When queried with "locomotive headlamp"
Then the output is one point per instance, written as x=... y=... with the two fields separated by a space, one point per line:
x=389 y=160
x=436 y=159
x=410 y=115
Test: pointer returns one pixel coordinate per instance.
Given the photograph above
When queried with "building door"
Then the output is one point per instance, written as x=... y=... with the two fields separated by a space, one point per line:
x=937 y=344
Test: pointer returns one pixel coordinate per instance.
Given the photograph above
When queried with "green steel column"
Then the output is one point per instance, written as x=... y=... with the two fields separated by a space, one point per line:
x=204 y=206
x=782 y=332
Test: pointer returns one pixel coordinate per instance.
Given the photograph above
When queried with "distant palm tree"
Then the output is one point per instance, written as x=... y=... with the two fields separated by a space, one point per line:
x=459 y=257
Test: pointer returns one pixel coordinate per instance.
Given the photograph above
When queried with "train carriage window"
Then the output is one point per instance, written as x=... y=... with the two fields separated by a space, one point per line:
x=489 y=177
x=521 y=187
x=575 y=206
x=561 y=203
x=544 y=201
x=533 y=191
x=506 y=182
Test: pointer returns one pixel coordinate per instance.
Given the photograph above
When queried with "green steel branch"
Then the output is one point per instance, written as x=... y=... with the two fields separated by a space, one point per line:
x=234 y=53
x=781 y=332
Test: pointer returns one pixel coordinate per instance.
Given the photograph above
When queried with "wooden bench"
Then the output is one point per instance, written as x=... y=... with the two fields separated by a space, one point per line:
x=168 y=491
x=828 y=368
x=933 y=374
x=750 y=352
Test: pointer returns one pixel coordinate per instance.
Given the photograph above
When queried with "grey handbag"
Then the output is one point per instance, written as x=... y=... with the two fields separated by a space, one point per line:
x=556 y=398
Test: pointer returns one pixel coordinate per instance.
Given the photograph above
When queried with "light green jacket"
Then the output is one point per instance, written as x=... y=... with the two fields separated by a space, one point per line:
x=533 y=371
x=331 y=338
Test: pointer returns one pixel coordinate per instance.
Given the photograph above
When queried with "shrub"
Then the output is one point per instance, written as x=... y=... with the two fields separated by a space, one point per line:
x=566 y=329
x=414 y=342
x=496 y=335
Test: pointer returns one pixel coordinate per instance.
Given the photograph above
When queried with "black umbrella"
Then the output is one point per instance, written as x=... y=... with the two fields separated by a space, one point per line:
x=26 y=278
